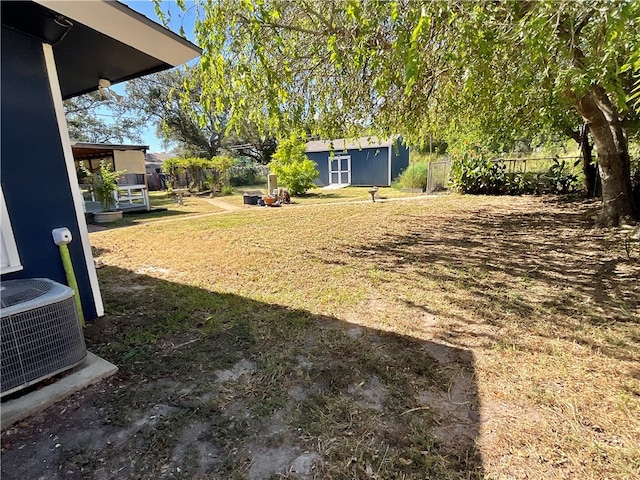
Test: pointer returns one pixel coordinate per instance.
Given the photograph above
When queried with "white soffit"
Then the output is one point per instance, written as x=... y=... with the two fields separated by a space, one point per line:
x=110 y=19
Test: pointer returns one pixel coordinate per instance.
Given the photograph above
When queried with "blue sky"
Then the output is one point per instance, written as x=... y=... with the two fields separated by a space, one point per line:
x=177 y=19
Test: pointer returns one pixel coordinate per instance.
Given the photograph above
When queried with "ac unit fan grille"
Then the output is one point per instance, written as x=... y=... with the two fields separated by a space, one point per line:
x=24 y=290
x=39 y=343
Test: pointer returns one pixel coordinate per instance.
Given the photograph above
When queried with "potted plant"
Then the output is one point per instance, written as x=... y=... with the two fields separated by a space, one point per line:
x=105 y=184
x=84 y=175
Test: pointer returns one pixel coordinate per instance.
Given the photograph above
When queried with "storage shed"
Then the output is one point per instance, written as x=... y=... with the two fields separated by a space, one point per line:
x=52 y=51
x=367 y=161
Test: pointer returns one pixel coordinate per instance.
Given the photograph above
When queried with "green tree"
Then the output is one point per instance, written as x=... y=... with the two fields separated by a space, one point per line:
x=247 y=141
x=290 y=163
x=174 y=103
x=218 y=173
x=172 y=100
x=338 y=67
x=94 y=120
x=556 y=67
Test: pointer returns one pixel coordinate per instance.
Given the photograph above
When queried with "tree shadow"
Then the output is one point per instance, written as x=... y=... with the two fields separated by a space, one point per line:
x=215 y=385
x=536 y=267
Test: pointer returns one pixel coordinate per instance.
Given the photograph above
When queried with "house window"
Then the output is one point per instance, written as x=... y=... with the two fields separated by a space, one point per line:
x=9 y=258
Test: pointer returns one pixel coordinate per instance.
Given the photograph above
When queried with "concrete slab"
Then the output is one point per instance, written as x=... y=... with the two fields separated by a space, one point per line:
x=90 y=371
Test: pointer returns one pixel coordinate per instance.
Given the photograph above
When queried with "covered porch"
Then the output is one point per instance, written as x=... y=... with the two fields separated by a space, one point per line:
x=133 y=191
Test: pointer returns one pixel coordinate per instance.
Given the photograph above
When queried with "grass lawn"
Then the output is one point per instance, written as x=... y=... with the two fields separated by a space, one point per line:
x=451 y=337
x=319 y=195
x=165 y=207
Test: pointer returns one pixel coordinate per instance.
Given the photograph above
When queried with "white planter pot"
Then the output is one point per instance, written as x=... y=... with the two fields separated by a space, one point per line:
x=107 y=217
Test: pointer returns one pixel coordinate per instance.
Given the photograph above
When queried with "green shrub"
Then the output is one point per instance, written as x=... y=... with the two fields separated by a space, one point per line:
x=477 y=175
x=197 y=172
x=562 y=180
x=246 y=175
x=191 y=171
x=294 y=170
x=520 y=183
x=105 y=183
x=415 y=176
x=218 y=172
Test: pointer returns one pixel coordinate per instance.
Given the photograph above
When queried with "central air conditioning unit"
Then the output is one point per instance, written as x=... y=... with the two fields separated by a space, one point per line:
x=41 y=334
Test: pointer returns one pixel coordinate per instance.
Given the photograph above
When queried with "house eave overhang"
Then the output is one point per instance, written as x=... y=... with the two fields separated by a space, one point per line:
x=98 y=40
x=343 y=145
x=84 y=150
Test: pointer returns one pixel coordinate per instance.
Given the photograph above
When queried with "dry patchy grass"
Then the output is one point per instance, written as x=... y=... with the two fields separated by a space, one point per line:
x=320 y=196
x=448 y=337
x=165 y=207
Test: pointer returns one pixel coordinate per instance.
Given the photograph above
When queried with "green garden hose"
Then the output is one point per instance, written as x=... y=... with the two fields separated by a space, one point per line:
x=71 y=278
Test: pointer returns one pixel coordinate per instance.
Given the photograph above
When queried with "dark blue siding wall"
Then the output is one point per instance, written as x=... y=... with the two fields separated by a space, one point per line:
x=34 y=176
x=399 y=160
x=369 y=167
x=322 y=164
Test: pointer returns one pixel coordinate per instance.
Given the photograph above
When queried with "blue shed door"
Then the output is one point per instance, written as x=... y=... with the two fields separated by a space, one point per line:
x=340 y=170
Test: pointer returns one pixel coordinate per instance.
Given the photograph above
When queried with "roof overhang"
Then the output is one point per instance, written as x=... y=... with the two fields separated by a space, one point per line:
x=98 y=40
x=343 y=144
x=92 y=150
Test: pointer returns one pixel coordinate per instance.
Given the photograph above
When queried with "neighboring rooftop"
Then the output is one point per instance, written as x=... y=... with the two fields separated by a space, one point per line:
x=158 y=157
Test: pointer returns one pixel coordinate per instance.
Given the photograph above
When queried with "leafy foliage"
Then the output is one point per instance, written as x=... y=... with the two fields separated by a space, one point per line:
x=91 y=119
x=195 y=171
x=415 y=176
x=245 y=140
x=218 y=173
x=501 y=70
x=293 y=168
x=246 y=172
x=476 y=174
x=562 y=180
x=105 y=183
x=190 y=171
x=172 y=101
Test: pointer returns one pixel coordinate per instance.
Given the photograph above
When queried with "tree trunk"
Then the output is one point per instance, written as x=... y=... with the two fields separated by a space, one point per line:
x=588 y=167
x=613 y=156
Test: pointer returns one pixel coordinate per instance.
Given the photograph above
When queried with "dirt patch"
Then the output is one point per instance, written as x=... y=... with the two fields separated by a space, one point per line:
x=169 y=428
x=243 y=367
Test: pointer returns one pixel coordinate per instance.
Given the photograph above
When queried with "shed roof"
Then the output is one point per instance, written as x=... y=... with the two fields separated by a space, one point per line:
x=98 y=40
x=343 y=144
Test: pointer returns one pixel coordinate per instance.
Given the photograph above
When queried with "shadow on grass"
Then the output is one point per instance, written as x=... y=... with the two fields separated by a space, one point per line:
x=548 y=271
x=135 y=218
x=317 y=195
x=216 y=385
